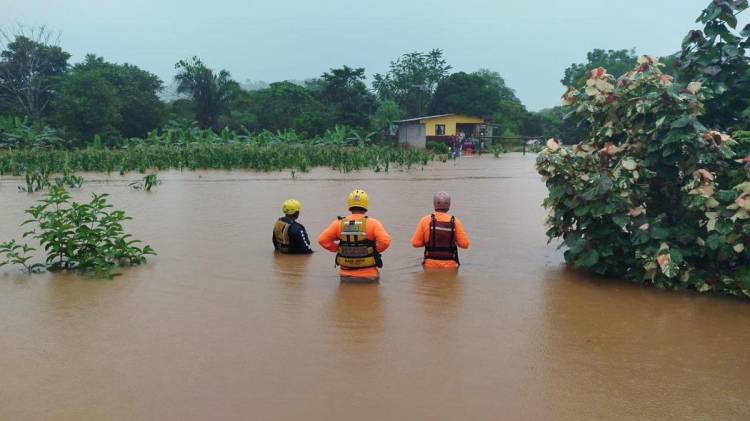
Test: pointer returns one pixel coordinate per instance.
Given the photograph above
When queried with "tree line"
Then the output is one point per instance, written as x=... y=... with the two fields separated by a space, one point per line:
x=96 y=98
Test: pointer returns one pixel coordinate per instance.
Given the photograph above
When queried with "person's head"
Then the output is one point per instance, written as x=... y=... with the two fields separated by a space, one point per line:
x=357 y=202
x=442 y=201
x=291 y=208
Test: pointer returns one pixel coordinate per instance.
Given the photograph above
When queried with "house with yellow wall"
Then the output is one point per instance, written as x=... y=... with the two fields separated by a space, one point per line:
x=443 y=127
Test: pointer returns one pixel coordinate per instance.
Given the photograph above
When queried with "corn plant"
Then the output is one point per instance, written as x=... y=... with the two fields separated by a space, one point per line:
x=147 y=183
x=69 y=179
x=36 y=180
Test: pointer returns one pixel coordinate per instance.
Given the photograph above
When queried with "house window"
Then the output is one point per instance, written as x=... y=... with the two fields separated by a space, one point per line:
x=440 y=130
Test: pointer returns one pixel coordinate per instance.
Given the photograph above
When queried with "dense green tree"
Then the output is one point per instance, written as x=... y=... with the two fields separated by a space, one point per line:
x=717 y=58
x=617 y=63
x=240 y=115
x=552 y=123
x=386 y=113
x=211 y=92
x=465 y=93
x=129 y=106
x=285 y=105
x=181 y=110
x=346 y=96
x=137 y=92
x=88 y=105
x=30 y=70
x=511 y=115
x=411 y=80
x=497 y=82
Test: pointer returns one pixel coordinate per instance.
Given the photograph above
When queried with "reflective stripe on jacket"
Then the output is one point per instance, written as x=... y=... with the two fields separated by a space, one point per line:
x=289 y=236
x=374 y=231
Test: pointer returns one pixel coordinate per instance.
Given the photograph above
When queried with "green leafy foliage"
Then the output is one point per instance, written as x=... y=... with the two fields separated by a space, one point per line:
x=411 y=80
x=617 y=62
x=17 y=133
x=386 y=113
x=465 y=93
x=18 y=254
x=83 y=237
x=31 y=68
x=346 y=96
x=717 y=58
x=147 y=183
x=36 y=179
x=651 y=194
x=193 y=148
x=285 y=105
x=497 y=150
x=109 y=99
x=210 y=92
x=69 y=180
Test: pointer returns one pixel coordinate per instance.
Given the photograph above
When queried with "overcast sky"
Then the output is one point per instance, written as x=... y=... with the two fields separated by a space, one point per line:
x=530 y=43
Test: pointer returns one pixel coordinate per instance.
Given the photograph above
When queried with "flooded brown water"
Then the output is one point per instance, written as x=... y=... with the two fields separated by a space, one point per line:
x=218 y=327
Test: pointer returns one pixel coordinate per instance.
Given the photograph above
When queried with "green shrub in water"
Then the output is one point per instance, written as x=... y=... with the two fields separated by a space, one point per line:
x=83 y=237
x=651 y=195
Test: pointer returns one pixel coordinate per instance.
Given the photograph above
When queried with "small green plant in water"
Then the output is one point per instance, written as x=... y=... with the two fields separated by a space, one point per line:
x=18 y=254
x=69 y=179
x=36 y=180
x=497 y=150
x=148 y=182
x=83 y=237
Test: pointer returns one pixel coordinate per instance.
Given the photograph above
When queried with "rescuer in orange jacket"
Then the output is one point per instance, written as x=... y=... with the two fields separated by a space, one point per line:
x=441 y=235
x=357 y=241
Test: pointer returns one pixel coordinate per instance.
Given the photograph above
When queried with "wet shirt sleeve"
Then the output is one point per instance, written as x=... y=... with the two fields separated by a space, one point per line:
x=382 y=238
x=462 y=240
x=299 y=239
x=328 y=238
x=418 y=240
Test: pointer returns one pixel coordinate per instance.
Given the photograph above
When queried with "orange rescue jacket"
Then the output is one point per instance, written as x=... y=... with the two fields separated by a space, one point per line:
x=374 y=231
x=421 y=238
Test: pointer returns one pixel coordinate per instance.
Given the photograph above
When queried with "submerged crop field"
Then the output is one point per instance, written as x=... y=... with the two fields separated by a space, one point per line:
x=298 y=157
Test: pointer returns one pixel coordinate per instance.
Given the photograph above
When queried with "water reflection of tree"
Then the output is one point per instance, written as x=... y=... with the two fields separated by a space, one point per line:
x=611 y=347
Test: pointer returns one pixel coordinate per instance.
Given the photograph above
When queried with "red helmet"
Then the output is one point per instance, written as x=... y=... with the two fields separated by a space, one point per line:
x=442 y=201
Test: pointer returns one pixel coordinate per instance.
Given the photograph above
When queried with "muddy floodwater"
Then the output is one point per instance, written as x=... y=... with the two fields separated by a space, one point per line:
x=219 y=327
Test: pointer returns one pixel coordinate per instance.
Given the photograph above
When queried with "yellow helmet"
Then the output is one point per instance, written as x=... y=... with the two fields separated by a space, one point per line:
x=357 y=199
x=291 y=206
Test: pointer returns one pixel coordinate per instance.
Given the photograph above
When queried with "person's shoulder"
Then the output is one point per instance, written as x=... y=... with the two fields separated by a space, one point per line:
x=374 y=221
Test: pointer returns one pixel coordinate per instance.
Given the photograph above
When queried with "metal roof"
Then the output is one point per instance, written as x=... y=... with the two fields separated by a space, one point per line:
x=423 y=118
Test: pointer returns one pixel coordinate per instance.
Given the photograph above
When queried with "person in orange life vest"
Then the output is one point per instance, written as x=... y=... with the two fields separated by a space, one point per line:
x=357 y=241
x=440 y=234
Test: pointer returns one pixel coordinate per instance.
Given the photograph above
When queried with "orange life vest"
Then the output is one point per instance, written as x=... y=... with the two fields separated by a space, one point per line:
x=355 y=250
x=442 y=244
